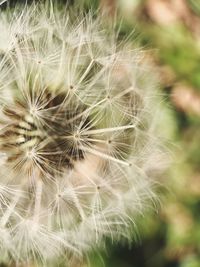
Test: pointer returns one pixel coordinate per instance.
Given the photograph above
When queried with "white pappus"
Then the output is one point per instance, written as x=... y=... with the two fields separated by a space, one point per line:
x=77 y=135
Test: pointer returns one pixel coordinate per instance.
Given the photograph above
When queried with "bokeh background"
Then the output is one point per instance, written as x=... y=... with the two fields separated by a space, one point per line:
x=169 y=30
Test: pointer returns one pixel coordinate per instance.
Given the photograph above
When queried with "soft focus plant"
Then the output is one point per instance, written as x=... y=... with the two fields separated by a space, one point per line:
x=78 y=142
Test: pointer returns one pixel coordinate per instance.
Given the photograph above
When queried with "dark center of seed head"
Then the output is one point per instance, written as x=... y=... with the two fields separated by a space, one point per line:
x=48 y=136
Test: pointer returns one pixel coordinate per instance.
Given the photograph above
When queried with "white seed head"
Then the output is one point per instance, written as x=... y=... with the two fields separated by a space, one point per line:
x=77 y=135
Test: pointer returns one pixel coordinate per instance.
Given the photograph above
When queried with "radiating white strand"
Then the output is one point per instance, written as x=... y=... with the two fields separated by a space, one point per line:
x=106 y=130
x=2 y=2
x=10 y=210
x=103 y=155
x=38 y=197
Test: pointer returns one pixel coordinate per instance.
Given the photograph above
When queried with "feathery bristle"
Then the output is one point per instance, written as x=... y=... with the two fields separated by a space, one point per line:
x=77 y=116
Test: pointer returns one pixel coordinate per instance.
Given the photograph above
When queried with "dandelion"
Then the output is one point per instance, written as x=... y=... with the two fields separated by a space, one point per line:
x=77 y=135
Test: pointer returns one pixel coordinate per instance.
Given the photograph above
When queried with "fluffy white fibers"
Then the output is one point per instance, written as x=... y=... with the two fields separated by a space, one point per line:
x=78 y=147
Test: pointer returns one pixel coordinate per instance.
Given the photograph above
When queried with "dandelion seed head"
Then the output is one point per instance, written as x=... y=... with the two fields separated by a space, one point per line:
x=77 y=136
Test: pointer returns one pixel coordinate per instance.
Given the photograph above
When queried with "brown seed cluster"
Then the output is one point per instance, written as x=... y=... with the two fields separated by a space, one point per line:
x=49 y=140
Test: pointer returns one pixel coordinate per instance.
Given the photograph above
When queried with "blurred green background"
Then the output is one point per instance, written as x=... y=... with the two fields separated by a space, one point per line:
x=170 y=32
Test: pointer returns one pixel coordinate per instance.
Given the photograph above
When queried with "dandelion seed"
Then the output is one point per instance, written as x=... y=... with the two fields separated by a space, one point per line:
x=76 y=136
